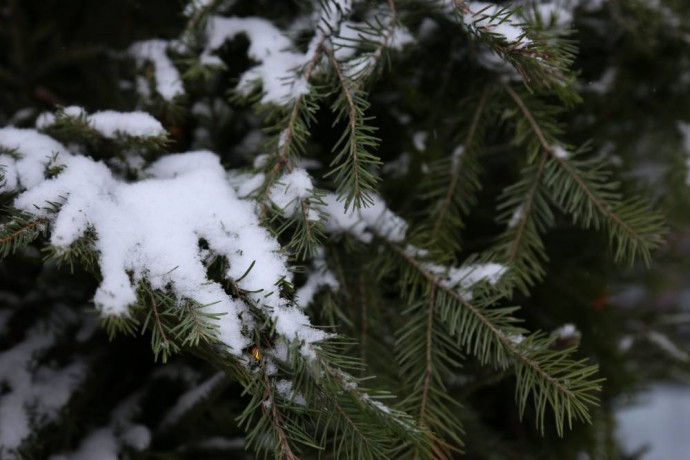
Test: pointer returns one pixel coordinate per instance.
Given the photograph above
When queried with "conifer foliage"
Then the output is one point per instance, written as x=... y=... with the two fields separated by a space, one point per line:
x=320 y=215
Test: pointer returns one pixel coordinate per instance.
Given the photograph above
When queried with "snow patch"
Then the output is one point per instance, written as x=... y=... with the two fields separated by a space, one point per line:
x=109 y=123
x=270 y=47
x=363 y=223
x=168 y=81
x=292 y=189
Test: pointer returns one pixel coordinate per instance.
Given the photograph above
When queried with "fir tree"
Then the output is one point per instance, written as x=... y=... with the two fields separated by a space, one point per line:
x=324 y=218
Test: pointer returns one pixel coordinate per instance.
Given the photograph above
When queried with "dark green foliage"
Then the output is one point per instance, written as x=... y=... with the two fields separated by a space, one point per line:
x=490 y=150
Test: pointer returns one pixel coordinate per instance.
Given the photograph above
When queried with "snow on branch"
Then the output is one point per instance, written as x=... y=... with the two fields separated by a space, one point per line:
x=364 y=223
x=489 y=18
x=378 y=220
x=155 y=230
x=270 y=47
x=283 y=71
x=168 y=81
x=28 y=169
x=108 y=123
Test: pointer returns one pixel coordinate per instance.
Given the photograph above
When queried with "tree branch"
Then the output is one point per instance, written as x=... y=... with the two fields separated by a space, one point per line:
x=456 y=171
x=507 y=344
x=526 y=211
x=548 y=148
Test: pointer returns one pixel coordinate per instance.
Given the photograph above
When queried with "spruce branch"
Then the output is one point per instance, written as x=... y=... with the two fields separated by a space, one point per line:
x=526 y=211
x=20 y=231
x=541 y=57
x=194 y=325
x=288 y=133
x=460 y=167
x=283 y=445
x=293 y=132
x=367 y=438
x=550 y=378
x=436 y=411
x=354 y=161
x=583 y=190
x=160 y=343
x=524 y=208
x=82 y=252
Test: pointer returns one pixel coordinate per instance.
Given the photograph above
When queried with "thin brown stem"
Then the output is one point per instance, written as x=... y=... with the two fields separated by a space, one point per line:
x=285 y=142
x=28 y=227
x=352 y=116
x=275 y=418
x=297 y=106
x=351 y=388
x=530 y=119
x=165 y=343
x=526 y=210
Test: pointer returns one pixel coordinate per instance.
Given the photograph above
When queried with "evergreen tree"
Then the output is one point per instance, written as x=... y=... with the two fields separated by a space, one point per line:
x=345 y=229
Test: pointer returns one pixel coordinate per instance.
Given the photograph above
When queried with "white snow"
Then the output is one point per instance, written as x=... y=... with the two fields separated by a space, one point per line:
x=427 y=29
x=194 y=6
x=294 y=325
x=135 y=124
x=361 y=222
x=377 y=404
x=150 y=230
x=456 y=155
x=566 y=332
x=495 y=19
x=285 y=390
x=136 y=436
x=107 y=441
x=292 y=189
x=556 y=13
x=109 y=123
x=34 y=396
x=658 y=419
x=666 y=345
x=347 y=38
x=168 y=81
x=469 y=275
x=515 y=339
x=317 y=277
x=419 y=140
x=280 y=65
x=35 y=152
x=560 y=152
x=517 y=215
x=46 y=119
x=246 y=184
x=270 y=47
x=463 y=278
